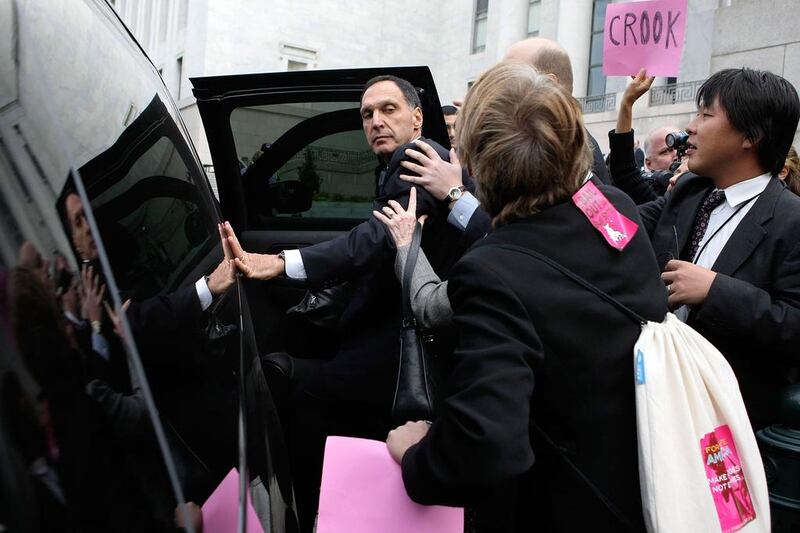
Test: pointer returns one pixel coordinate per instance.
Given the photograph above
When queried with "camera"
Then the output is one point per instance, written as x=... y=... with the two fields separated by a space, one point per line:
x=678 y=141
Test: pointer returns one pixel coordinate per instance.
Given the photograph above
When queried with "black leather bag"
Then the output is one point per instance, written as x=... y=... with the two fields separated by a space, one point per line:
x=323 y=308
x=414 y=394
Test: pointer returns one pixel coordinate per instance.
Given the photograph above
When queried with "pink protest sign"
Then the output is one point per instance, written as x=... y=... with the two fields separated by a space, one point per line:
x=362 y=492
x=645 y=35
x=221 y=510
x=726 y=480
x=616 y=228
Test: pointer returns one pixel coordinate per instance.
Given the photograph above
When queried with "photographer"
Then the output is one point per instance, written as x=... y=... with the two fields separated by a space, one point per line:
x=660 y=159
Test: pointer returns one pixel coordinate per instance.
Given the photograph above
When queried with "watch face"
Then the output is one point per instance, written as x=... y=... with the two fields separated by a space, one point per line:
x=454 y=193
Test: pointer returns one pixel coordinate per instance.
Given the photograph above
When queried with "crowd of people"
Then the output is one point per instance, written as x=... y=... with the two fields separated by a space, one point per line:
x=537 y=411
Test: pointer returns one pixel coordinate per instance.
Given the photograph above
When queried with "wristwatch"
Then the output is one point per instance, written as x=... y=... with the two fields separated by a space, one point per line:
x=455 y=193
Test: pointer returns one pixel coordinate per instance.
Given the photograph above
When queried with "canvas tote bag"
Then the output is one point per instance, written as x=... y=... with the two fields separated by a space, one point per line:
x=699 y=464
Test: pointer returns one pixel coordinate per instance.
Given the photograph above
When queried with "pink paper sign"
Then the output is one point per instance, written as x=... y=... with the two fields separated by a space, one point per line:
x=221 y=510
x=616 y=228
x=645 y=35
x=726 y=480
x=362 y=492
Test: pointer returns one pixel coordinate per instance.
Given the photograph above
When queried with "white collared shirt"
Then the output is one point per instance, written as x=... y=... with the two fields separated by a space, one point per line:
x=719 y=231
x=723 y=221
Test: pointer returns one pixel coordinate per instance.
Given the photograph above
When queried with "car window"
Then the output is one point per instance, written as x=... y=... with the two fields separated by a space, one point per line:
x=152 y=216
x=319 y=144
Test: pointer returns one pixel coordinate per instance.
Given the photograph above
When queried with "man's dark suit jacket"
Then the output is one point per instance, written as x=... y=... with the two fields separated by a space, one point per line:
x=365 y=367
x=598 y=162
x=536 y=346
x=752 y=311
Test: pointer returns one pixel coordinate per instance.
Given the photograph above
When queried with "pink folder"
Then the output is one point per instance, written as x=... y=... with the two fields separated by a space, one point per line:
x=221 y=510
x=362 y=492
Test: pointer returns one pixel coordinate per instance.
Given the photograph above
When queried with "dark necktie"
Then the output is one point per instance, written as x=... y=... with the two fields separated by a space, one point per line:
x=701 y=222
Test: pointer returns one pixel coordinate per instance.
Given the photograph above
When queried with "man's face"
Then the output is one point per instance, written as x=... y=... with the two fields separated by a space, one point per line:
x=450 y=122
x=81 y=234
x=659 y=155
x=714 y=144
x=388 y=120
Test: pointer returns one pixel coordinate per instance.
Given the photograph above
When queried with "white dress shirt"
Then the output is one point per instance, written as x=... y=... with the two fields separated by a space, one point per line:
x=723 y=221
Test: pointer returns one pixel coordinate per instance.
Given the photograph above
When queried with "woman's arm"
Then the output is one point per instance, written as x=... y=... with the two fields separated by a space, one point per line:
x=428 y=293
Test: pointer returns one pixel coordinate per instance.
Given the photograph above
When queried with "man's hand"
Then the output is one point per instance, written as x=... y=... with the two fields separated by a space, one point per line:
x=401 y=222
x=92 y=292
x=687 y=283
x=224 y=275
x=404 y=437
x=681 y=170
x=635 y=89
x=115 y=317
x=435 y=174
x=255 y=266
x=639 y=85
x=189 y=515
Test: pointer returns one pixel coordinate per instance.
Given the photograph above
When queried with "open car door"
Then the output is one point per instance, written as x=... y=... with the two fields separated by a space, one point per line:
x=294 y=168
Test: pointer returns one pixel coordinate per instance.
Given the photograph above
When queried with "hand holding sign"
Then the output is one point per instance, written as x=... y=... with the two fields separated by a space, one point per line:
x=644 y=35
x=639 y=85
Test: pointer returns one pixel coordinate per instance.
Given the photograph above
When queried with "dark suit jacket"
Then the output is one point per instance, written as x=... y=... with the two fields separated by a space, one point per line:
x=598 y=162
x=364 y=368
x=752 y=311
x=625 y=172
x=534 y=345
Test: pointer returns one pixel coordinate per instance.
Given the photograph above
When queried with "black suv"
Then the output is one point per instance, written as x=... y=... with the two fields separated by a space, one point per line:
x=85 y=116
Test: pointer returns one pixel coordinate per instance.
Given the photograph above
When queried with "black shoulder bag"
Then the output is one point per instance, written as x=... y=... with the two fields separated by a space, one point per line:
x=413 y=395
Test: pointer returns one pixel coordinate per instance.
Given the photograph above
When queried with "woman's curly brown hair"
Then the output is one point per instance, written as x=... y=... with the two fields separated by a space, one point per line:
x=523 y=138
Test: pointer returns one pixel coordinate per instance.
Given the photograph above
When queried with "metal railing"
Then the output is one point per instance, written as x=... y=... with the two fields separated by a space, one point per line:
x=598 y=104
x=674 y=93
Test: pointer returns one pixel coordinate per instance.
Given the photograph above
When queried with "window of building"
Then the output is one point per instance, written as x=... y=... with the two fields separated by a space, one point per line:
x=296 y=57
x=479 y=29
x=534 y=17
x=597 y=81
x=180 y=78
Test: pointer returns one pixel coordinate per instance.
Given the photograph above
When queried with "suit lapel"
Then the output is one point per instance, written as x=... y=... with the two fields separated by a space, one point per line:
x=749 y=232
x=687 y=212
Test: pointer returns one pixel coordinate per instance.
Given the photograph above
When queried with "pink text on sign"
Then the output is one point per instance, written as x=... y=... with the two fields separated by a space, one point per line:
x=645 y=35
x=726 y=480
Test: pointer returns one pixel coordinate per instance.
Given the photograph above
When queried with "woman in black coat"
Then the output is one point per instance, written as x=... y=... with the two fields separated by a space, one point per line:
x=538 y=428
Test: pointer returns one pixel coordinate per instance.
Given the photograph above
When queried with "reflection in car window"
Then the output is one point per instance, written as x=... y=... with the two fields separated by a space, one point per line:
x=148 y=207
x=151 y=245
x=338 y=167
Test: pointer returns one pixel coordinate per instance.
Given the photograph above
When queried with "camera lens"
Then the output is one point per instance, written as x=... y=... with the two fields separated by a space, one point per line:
x=676 y=139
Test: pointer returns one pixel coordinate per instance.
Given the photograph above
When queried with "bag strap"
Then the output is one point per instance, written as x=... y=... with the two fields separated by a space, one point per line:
x=597 y=492
x=624 y=309
x=408 y=273
x=627 y=312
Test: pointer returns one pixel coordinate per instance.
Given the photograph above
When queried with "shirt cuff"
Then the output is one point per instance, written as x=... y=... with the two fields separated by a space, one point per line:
x=100 y=345
x=203 y=294
x=462 y=211
x=294 y=264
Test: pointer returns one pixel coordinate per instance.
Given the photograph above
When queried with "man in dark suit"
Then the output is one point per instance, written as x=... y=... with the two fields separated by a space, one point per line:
x=727 y=238
x=351 y=393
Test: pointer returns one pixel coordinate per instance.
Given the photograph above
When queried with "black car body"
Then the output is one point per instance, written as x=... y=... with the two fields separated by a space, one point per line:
x=83 y=110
